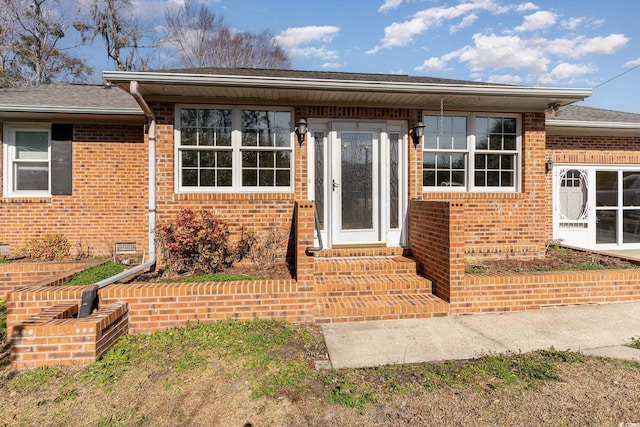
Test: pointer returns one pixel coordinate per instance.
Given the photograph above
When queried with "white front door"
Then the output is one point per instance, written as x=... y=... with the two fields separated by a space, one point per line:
x=355 y=184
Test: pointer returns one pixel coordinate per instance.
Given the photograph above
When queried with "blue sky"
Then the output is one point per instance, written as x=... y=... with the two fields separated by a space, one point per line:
x=533 y=43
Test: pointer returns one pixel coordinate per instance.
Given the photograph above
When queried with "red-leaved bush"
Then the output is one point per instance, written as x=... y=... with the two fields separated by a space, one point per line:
x=197 y=243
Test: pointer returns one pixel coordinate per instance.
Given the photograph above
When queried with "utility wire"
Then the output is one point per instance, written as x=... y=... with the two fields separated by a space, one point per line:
x=615 y=77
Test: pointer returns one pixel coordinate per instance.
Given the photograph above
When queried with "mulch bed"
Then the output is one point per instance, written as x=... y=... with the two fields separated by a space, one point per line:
x=557 y=258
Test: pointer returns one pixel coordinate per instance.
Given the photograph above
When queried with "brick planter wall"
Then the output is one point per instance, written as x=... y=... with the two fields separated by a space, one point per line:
x=54 y=338
x=483 y=293
x=15 y=275
x=158 y=306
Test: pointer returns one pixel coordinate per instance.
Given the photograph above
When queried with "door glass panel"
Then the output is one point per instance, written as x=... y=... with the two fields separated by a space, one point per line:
x=606 y=225
x=631 y=226
x=357 y=180
x=631 y=188
x=606 y=188
x=393 y=180
x=573 y=196
x=318 y=138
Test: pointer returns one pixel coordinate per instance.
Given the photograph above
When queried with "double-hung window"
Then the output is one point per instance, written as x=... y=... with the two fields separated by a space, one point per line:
x=471 y=152
x=27 y=158
x=232 y=149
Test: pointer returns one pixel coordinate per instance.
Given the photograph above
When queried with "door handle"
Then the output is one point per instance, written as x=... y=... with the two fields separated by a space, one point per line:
x=334 y=185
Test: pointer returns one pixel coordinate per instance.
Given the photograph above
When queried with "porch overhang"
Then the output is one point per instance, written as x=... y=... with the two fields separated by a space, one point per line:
x=297 y=89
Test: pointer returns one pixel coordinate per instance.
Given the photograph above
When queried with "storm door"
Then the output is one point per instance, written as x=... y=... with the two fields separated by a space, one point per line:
x=354 y=185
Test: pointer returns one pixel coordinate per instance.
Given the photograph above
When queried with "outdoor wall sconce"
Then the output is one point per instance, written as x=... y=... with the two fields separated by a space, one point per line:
x=548 y=166
x=417 y=133
x=301 y=130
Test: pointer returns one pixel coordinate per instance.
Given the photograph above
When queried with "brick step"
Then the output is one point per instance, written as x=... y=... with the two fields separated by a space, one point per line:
x=354 y=266
x=365 y=251
x=372 y=284
x=379 y=307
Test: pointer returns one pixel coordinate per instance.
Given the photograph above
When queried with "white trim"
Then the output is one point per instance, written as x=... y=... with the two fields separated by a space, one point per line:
x=591 y=124
x=8 y=145
x=306 y=83
x=236 y=148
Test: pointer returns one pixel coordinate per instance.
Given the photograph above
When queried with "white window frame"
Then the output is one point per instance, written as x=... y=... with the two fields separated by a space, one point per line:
x=471 y=151
x=9 y=152
x=237 y=148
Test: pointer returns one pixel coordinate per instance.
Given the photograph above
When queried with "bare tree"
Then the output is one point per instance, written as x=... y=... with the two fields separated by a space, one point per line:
x=202 y=39
x=122 y=35
x=33 y=46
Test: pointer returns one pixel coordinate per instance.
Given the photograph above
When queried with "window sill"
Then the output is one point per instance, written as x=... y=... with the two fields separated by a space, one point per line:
x=234 y=196
x=26 y=199
x=467 y=195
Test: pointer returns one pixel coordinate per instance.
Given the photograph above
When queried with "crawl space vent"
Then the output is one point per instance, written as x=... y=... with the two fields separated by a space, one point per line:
x=125 y=248
x=4 y=249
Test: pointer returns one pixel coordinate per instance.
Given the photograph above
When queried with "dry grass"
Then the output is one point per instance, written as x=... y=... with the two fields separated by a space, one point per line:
x=261 y=373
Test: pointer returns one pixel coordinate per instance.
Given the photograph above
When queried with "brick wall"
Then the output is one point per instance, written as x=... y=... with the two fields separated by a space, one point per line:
x=18 y=274
x=54 y=338
x=436 y=238
x=499 y=225
x=530 y=291
x=109 y=200
x=158 y=306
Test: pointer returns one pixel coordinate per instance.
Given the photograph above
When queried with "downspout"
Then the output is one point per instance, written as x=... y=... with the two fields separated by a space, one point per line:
x=90 y=295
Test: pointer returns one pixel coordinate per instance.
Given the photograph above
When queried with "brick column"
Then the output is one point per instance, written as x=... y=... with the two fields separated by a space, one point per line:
x=437 y=241
x=305 y=225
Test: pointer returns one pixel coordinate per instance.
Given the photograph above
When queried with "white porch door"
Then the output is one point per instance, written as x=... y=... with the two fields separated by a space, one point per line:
x=355 y=185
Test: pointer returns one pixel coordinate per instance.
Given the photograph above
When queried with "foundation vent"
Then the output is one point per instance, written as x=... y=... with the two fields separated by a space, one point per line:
x=125 y=248
x=4 y=249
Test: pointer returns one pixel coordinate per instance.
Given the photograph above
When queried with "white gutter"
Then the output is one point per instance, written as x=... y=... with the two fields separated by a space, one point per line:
x=12 y=108
x=342 y=85
x=586 y=124
x=133 y=89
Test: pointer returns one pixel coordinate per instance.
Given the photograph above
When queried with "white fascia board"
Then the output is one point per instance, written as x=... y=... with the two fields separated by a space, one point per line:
x=69 y=110
x=346 y=85
x=587 y=124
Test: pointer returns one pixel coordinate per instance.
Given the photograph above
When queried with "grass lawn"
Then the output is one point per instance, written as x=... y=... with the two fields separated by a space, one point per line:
x=261 y=372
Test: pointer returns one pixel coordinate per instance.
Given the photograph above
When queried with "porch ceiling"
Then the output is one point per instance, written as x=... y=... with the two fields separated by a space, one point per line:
x=356 y=92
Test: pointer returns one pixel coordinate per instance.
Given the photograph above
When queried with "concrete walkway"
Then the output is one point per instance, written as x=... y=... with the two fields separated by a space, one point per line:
x=593 y=329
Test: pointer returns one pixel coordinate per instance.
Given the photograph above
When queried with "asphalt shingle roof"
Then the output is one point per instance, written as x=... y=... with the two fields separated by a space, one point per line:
x=588 y=114
x=326 y=75
x=51 y=97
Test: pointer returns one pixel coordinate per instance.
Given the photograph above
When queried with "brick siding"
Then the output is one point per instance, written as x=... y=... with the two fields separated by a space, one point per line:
x=109 y=200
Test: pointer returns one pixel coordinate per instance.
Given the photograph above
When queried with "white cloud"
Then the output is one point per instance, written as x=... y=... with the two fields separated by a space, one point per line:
x=506 y=79
x=402 y=33
x=389 y=4
x=496 y=52
x=299 y=41
x=566 y=72
x=526 y=7
x=583 y=46
x=330 y=65
x=537 y=21
x=632 y=63
x=572 y=23
x=466 y=22
x=432 y=65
